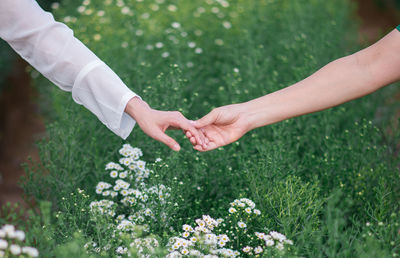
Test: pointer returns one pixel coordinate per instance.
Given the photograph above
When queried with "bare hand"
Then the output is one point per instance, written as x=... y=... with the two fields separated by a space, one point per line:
x=154 y=123
x=221 y=126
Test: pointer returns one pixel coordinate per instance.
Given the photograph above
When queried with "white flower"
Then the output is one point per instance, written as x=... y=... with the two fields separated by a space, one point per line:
x=172 y=8
x=224 y=238
x=258 y=250
x=20 y=235
x=227 y=25
x=159 y=45
x=114 y=174
x=198 y=50
x=246 y=249
x=269 y=242
x=278 y=236
x=187 y=228
x=232 y=210
x=279 y=246
x=185 y=234
x=15 y=249
x=123 y=174
x=55 y=5
x=81 y=9
x=242 y=224
x=165 y=55
x=257 y=212
x=8 y=229
x=247 y=210
x=176 y=25
x=30 y=251
x=2 y=253
x=125 y=10
x=193 y=239
x=3 y=244
x=192 y=44
x=289 y=242
x=2 y=233
x=185 y=251
x=221 y=243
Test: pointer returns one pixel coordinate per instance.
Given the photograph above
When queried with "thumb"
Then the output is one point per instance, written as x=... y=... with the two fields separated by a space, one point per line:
x=206 y=120
x=164 y=138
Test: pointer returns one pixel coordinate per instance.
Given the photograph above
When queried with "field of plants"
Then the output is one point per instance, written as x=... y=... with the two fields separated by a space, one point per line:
x=321 y=185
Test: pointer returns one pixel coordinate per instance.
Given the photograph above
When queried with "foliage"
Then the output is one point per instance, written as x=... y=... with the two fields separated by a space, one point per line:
x=318 y=179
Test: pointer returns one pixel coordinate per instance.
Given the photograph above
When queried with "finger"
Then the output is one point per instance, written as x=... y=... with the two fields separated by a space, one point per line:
x=210 y=146
x=187 y=126
x=193 y=141
x=188 y=134
x=198 y=148
x=164 y=138
x=206 y=120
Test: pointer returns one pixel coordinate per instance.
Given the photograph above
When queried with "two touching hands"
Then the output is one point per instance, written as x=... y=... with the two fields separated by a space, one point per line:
x=220 y=127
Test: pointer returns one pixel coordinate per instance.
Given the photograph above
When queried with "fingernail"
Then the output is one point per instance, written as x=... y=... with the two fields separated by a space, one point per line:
x=176 y=147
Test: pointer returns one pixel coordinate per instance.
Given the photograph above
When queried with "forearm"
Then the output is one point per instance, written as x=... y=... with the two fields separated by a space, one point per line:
x=340 y=81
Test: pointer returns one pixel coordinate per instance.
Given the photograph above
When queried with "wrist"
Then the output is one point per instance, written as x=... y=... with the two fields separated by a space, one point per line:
x=136 y=106
x=257 y=113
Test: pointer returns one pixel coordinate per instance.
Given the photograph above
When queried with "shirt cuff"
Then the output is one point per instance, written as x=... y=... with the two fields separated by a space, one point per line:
x=102 y=92
x=125 y=124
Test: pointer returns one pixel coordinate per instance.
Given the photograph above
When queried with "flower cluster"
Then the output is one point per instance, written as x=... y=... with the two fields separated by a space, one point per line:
x=231 y=236
x=201 y=239
x=131 y=202
x=11 y=241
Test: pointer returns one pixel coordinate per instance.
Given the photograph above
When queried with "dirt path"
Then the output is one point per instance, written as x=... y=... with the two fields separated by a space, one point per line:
x=20 y=127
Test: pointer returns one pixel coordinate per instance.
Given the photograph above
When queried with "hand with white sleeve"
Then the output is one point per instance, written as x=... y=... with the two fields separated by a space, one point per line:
x=51 y=48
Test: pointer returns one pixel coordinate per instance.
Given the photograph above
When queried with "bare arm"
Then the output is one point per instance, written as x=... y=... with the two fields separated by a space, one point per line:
x=340 y=81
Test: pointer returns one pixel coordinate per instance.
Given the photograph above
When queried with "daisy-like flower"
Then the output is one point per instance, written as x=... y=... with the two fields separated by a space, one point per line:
x=124 y=192
x=175 y=25
x=15 y=249
x=30 y=251
x=257 y=212
x=278 y=236
x=114 y=174
x=185 y=251
x=3 y=244
x=258 y=250
x=289 y=242
x=232 y=210
x=247 y=249
x=242 y=224
x=193 y=239
x=123 y=174
x=248 y=210
x=279 y=246
x=187 y=227
x=198 y=50
x=224 y=238
x=185 y=234
x=269 y=242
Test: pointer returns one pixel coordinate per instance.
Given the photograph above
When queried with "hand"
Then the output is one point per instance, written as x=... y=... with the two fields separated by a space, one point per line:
x=221 y=126
x=154 y=123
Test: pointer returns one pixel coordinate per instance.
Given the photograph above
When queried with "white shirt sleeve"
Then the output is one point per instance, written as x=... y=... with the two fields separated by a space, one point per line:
x=52 y=49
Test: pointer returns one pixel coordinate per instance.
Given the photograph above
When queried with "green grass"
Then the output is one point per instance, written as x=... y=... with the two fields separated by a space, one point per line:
x=317 y=179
